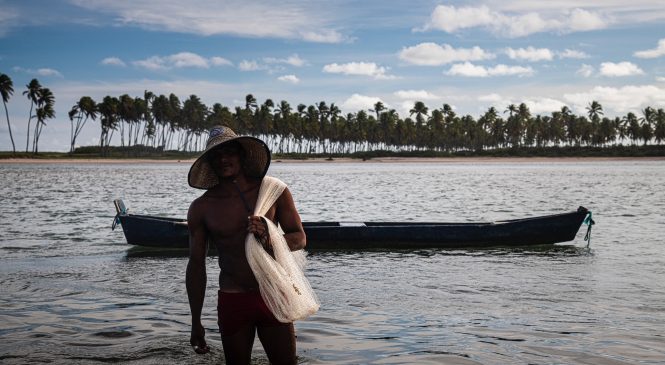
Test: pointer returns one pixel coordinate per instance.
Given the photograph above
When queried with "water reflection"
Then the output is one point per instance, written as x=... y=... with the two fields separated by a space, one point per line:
x=534 y=250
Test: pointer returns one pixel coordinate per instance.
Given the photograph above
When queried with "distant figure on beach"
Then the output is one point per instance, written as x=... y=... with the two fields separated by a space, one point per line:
x=232 y=169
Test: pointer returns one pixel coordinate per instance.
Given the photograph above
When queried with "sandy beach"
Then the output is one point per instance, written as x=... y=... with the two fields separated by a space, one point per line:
x=339 y=160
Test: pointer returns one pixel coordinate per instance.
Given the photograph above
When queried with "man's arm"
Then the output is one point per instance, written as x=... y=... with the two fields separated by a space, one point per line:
x=289 y=219
x=196 y=279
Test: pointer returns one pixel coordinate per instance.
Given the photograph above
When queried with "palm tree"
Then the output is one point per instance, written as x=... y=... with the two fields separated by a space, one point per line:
x=419 y=109
x=633 y=127
x=323 y=111
x=436 y=139
x=45 y=110
x=556 y=130
x=159 y=108
x=608 y=132
x=485 y=125
x=6 y=90
x=595 y=110
x=334 y=112
x=149 y=127
x=32 y=93
x=387 y=122
x=142 y=114
x=174 y=113
x=448 y=112
x=194 y=116
x=659 y=130
x=648 y=120
x=264 y=118
x=126 y=114
x=283 y=110
x=514 y=123
x=512 y=109
x=84 y=109
x=250 y=102
x=378 y=108
x=108 y=111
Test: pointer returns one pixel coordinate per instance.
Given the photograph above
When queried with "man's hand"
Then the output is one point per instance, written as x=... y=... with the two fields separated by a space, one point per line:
x=258 y=226
x=197 y=340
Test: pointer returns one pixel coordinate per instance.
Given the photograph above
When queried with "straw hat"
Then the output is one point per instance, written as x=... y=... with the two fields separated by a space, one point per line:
x=256 y=162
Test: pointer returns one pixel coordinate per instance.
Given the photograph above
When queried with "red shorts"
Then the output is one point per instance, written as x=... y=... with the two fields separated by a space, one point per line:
x=238 y=310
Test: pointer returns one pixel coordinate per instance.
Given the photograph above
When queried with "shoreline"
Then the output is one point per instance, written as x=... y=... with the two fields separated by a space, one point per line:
x=18 y=161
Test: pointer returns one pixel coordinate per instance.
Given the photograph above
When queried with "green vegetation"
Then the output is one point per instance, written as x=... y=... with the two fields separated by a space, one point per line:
x=143 y=152
x=160 y=126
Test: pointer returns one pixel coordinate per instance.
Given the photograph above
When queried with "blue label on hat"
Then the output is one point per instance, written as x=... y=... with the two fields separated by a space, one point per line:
x=216 y=131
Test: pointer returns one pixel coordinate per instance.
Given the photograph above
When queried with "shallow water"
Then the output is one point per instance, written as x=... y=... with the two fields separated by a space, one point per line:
x=72 y=290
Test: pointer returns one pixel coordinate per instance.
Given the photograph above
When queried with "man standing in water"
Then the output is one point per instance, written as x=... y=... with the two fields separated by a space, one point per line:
x=231 y=169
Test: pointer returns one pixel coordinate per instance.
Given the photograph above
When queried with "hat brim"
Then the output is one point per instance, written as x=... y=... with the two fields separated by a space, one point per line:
x=257 y=160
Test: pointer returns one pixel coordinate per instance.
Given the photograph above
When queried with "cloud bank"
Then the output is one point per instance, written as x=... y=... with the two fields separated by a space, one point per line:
x=451 y=19
x=432 y=54
x=358 y=69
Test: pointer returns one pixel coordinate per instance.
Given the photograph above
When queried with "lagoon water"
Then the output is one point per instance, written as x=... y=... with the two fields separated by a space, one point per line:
x=72 y=291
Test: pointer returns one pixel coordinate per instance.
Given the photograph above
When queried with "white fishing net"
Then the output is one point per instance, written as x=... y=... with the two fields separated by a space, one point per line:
x=282 y=283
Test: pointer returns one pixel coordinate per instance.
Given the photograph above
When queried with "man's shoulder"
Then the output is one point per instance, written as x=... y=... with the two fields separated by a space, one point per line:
x=200 y=202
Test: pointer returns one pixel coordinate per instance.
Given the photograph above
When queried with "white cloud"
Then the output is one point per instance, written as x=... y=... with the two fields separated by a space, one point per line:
x=113 y=61
x=451 y=19
x=187 y=59
x=585 y=70
x=619 y=69
x=491 y=98
x=470 y=70
x=580 y=20
x=46 y=72
x=296 y=61
x=432 y=54
x=293 y=60
x=179 y=60
x=220 y=61
x=358 y=102
x=359 y=69
x=571 y=53
x=271 y=64
x=654 y=52
x=620 y=99
x=415 y=95
x=153 y=63
x=530 y=54
x=523 y=25
x=291 y=19
x=325 y=36
x=405 y=106
x=660 y=79
x=289 y=78
x=249 y=66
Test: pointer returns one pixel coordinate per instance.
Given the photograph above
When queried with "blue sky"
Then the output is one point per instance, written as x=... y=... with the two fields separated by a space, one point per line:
x=469 y=54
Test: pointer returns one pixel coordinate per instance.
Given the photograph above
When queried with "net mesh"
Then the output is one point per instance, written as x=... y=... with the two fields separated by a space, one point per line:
x=282 y=282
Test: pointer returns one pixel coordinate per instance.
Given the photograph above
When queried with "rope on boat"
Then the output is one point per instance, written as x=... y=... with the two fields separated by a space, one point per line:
x=116 y=220
x=589 y=222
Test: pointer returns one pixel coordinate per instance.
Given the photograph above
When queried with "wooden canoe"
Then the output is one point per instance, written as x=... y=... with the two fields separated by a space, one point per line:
x=154 y=231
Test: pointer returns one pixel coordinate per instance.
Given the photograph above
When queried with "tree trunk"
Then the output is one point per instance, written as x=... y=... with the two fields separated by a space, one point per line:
x=10 y=128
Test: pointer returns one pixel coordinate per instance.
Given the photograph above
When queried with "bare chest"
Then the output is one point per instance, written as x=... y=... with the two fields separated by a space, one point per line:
x=226 y=218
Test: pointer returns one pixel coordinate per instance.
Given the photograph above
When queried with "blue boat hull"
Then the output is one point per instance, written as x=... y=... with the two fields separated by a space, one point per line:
x=153 y=231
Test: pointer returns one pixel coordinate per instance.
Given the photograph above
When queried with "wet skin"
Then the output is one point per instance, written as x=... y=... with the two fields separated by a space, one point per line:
x=220 y=216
